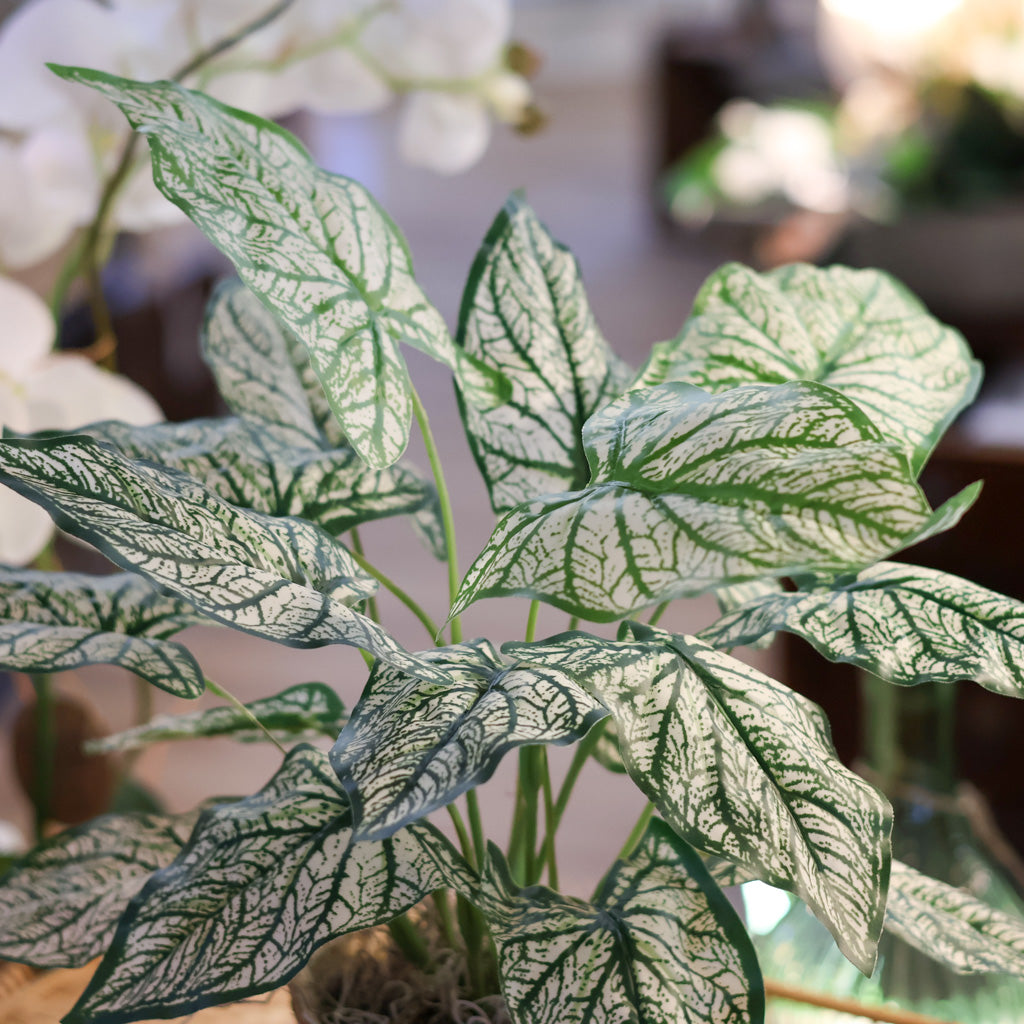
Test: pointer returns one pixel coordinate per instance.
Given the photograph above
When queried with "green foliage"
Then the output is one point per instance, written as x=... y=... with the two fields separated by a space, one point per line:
x=309 y=709
x=660 y=941
x=52 y=621
x=780 y=435
x=709 y=739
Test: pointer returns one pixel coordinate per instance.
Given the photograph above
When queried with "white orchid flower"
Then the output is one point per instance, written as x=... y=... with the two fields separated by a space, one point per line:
x=58 y=141
x=41 y=390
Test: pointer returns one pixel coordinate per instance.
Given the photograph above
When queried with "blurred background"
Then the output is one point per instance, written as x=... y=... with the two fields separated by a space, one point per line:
x=678 y=134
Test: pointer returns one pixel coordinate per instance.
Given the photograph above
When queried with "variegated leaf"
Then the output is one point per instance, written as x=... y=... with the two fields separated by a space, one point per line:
x=252 y=465
x=904 y=623
x=659 y=945
x=690 y=492
x=308 y=708
x=259 y=886
x=606 y=750
x=314 y=246
x=60 y=905
x=413 y=746
x=53 y=621
x=952 y=926
x=859 y=331
x=283 y=579
x=732 y=597
x=263 y=374
x=262 y=370
x=525 y=313
x=742 y=767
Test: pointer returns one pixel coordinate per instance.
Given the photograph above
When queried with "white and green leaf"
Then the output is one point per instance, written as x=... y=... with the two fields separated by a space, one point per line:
x=858 y=331
x=307 y=709
x=904 y=623
x=252 y=465
x=660 y=944
x=742 y=768
x=262 y=370
x=59 y=906
x=263 y=374
x=952 y=926
x=525 y=313
x=53 y=621
x=260 y=885
x=413 y=746
x=280 y=578
x=315 y=248
x=691 y=492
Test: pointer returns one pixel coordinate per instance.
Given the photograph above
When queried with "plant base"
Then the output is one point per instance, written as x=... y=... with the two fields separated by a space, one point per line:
x=363 y=978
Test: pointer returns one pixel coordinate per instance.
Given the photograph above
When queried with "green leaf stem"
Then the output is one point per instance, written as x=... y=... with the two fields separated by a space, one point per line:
x=260 y=885
x=314 y=246
x=525 y=313
x=297 y=712
x=283 y=579
x=412 y=746
x=60 y=905
x=858 y=331
x=660 y=945
x=690 y=492
x=904 y=623
x=51 y=621
x=741 y=767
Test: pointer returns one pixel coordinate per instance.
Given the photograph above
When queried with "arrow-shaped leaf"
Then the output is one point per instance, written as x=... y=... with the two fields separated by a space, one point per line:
x=293 y=713
x=413 y=746
x=253 y=465
x=314 y=246
x=259 y=886
x=952 y=926
x=859 y=331
x=263 y=374
x=526 y=314
x=262 y=370
x=904 y=623
x=690 y=491
x=742 y=767
x=659 y=945
x=54 y=621
x=284 y=579
x=60 y=905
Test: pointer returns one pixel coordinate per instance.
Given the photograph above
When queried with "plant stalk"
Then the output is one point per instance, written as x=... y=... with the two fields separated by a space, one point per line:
x=447 y=517
x=476 y=825
x=412 y=944
x=357 y=549
x=232 y=699
x=550 y=823
x=583 y=751
x=634 y=837
x=389 y=584
x=657 y=614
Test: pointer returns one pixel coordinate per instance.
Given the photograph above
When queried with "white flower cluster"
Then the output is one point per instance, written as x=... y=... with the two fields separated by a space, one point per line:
x=58 y=141
x=44 y=390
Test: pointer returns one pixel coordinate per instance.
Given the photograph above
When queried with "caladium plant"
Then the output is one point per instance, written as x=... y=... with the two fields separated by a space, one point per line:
x=769 y=455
